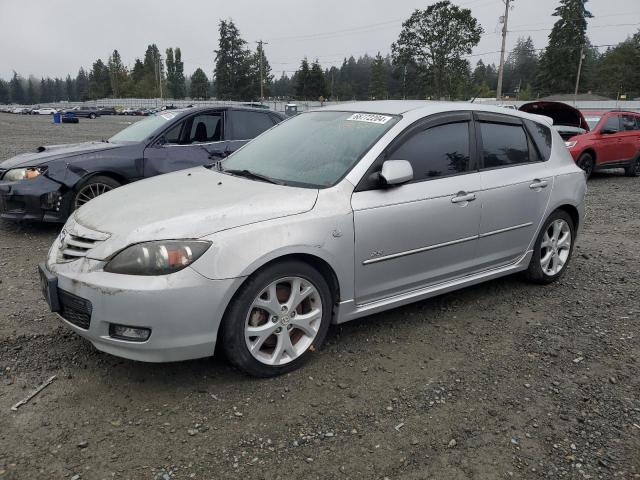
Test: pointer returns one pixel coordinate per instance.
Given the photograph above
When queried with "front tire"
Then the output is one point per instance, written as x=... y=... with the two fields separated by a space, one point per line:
x=92 y=188
x=633 y=170
x=586 y=163
x=553 y=248
x=279 y=317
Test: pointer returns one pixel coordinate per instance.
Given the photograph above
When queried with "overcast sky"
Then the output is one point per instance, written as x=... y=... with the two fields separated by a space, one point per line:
x=53 y=38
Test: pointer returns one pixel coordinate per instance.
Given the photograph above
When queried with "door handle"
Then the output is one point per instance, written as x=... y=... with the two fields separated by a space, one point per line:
x=462 y=197
x=538 y=184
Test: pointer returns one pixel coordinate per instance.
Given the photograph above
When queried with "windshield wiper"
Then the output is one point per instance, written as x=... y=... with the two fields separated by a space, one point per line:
x=249 y=174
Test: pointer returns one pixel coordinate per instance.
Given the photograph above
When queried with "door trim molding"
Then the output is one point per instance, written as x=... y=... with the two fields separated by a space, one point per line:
x=504 y=230
x=445 y=244
x=418 y=250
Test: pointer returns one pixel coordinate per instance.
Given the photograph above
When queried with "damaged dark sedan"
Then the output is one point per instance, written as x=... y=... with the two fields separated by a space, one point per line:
x=51 y=182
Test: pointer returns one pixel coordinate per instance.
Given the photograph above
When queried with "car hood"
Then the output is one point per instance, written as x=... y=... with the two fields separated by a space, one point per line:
x=45 y=154
x=561 y=113
x=186 y=204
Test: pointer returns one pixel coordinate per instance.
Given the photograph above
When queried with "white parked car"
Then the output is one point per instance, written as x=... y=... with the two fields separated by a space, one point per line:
x=45 y=111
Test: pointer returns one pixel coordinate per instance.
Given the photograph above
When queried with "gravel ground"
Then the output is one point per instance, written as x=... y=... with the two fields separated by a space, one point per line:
x=500 y=380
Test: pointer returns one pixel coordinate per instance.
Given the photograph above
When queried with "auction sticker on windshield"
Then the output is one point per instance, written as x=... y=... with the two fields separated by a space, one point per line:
x=168 y=115
x=369 y=118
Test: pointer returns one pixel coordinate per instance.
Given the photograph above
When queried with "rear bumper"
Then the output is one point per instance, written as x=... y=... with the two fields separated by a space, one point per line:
x=39 y=199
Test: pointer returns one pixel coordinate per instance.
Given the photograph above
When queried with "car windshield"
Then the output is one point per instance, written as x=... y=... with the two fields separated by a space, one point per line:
x=314 y=149
x=142 y=130
x=592 y=121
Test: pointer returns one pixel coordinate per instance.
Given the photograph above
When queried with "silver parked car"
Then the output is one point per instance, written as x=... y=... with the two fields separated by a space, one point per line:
x=330 y=216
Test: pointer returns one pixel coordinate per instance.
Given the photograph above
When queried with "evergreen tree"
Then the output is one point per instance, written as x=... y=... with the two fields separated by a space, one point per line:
x=82 y=85
x=302 y=80
x=171 y=72
x=51 y=90
x=378 y=85
x=32 y=92
x=232 y=63
x=70 y=89
x=17 y=91
x=153 y=76
x=5 y=96
x=521 y=66
x=254 y=75
x=199 y=85
x=316 y=84
x=99 y=80
x=283 y=87
x=180 y=89
x=559 y=61
x=619 y=69
x=118 y=75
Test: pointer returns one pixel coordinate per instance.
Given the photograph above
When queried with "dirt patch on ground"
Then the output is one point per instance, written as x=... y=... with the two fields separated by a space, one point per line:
x=501 y=380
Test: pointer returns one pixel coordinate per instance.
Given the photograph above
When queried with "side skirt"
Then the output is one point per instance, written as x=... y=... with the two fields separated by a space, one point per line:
x=350 y=310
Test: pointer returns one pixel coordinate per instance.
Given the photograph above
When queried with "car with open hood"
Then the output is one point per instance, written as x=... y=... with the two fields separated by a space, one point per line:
x=50 y=182
x=330 y=216
x=597 y=139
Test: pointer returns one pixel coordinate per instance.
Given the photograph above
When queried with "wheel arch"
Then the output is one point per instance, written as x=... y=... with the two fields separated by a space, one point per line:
x=591 y=152
x=106 y=173
x=572 y=211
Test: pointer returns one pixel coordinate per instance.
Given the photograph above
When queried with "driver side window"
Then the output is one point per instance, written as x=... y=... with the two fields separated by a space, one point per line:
x=612 y=124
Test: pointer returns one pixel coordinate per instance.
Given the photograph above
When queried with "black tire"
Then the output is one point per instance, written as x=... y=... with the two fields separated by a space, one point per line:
x=633 y=170
x=586 y=163
x=233 y=324
x=534 y=272
x=92 y=116
x=105 y=184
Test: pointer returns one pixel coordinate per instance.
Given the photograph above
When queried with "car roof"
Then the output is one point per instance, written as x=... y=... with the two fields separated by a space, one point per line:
x=187 y=110
x=425 y=107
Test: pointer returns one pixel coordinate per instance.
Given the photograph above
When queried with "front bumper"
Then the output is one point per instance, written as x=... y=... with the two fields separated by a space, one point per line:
x=40 y=199
x=183 y=310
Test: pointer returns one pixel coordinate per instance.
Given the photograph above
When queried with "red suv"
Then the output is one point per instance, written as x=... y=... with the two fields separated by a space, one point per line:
x=613 y=142
x=597 y=140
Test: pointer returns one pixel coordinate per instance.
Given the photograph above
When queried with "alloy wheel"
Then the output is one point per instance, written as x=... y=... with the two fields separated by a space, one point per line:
x=91 y=191
x=283 y=321
x=555 y=247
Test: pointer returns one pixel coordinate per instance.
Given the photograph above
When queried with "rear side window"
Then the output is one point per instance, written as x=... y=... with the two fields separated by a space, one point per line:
x=541 y=135
x=612 y=124
x=503 y=145
x=629 y=122
x=247 y=125
x=436 y=152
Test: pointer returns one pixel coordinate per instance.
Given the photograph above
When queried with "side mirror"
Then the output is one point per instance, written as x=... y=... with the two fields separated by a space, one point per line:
x=396 y=172
x=161 y=142
x=607 y=131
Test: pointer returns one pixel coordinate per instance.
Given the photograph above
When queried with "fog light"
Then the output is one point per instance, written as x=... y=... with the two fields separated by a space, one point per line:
x=132 y=334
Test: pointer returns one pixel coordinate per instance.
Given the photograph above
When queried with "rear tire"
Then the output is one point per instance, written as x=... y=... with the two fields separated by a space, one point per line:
x=633 y=170
x=92 y=116
x=586 y=163
x=268 y=329
x=552 y=249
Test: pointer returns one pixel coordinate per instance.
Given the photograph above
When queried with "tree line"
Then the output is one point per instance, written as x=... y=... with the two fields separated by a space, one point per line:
x=430 y=59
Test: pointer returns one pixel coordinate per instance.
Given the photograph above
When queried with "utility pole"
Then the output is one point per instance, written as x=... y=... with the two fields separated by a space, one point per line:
x=404 y=83
x=575 y=93
x=260 y=44
x=504 y=42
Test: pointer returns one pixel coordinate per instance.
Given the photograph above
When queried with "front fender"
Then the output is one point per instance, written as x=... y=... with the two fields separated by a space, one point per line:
x=326 y=232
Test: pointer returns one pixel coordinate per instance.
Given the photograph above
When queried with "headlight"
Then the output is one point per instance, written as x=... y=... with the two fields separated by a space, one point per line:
x=24 y=173
x=570 y=144
x=157 y=258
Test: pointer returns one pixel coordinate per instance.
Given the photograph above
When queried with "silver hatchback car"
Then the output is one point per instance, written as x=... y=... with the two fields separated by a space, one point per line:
x=330 y=216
